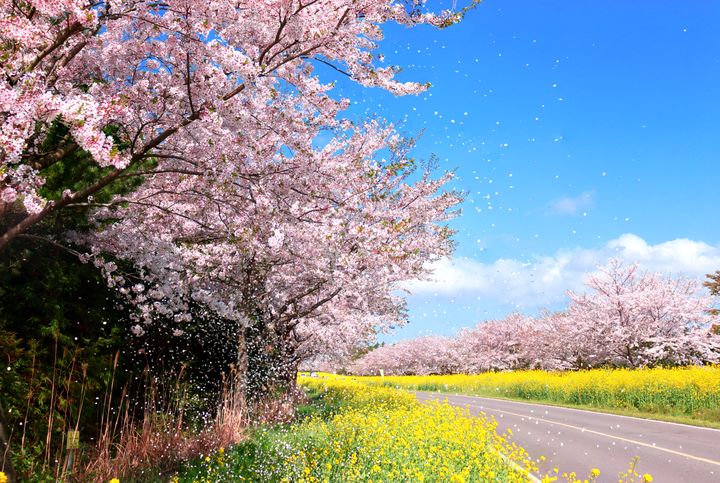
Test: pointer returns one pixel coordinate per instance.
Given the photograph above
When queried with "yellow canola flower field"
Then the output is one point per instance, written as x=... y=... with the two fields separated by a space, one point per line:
x=692 y=391
x=369 y=433
x=385 y=435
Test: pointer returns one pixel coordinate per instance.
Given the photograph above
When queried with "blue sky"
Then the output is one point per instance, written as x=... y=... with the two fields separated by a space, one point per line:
x=580 y=130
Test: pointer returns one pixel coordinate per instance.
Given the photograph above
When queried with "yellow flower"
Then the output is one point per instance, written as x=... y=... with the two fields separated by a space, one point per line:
x=3 y=477
x=114 y=480
x=429 y=441
x=647 y=478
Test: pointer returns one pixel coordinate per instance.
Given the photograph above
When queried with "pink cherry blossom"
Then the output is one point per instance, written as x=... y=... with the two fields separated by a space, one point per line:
x=180 y=76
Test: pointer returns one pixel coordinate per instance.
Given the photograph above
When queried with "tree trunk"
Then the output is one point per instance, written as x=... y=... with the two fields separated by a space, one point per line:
x=6 y=465
x=266 y=366
x=240 y=383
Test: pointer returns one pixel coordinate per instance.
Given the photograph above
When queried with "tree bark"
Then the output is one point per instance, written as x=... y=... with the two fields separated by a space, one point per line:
x=266 y=366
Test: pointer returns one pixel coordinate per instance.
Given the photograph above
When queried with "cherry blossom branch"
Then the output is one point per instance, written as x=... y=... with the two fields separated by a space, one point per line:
x=59 y=41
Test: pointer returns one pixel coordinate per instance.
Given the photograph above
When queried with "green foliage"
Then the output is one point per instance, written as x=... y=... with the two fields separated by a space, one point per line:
x=59 y=331
x=64 y=340
x=75 y=172
x=713 y=285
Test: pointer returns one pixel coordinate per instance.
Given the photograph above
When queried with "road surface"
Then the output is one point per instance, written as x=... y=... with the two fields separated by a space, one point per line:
x=577 y=440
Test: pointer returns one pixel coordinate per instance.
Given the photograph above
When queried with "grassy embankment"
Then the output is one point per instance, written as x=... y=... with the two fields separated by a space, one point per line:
x=353 y=432
x=686 y=395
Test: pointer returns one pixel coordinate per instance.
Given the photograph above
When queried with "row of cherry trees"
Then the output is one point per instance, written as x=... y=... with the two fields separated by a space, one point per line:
x=627 y=318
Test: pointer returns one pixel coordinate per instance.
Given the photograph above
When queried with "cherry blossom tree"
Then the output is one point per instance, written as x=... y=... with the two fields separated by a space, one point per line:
x=494 y=344
x=552 y=342
x=218 y=103
x=633 y=319
x=305 y=255
x=138 y=81
x=204 y=100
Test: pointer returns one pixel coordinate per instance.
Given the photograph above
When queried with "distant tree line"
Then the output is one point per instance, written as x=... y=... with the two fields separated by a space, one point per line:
x=627 y=318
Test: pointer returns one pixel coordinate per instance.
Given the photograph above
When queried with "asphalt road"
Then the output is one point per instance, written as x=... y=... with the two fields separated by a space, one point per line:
x=576 y=440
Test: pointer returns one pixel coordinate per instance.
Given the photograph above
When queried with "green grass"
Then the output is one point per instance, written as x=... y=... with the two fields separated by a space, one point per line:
x=260 y=458
x=249 y=460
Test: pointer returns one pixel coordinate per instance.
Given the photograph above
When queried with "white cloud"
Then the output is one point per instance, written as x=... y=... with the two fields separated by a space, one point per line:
x=544 y=280
x=572 y=205
x=679 y=256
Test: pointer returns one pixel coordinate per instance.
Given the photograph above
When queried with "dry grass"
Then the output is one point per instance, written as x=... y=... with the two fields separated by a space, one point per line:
x=156 y=445
x=278 y=409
